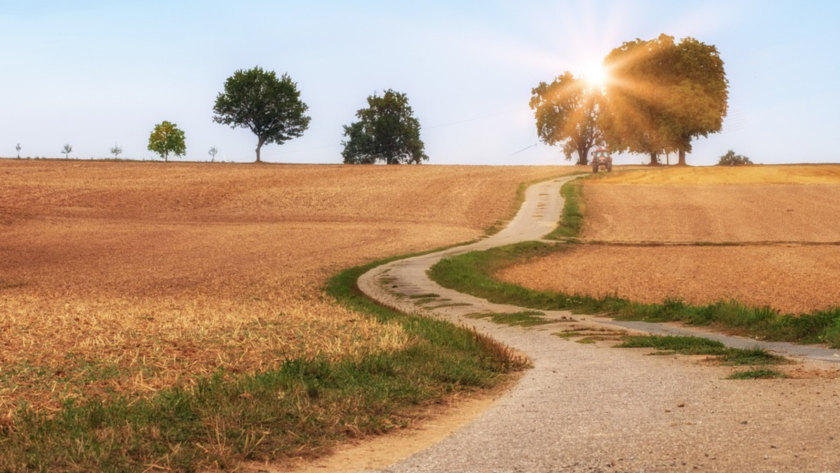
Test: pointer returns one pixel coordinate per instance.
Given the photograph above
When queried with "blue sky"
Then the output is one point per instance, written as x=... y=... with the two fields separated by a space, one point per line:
x=92 y=73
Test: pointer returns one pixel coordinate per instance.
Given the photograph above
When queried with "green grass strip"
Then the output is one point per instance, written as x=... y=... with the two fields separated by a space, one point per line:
x=472 y=273
x=758 y=374
x=686 y=345
x=517 y=319
x=302 y=408
x=571 y=220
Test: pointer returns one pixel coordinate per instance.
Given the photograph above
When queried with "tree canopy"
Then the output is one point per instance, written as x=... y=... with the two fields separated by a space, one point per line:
x=387 y=131
x=663 y=94
x=270 y=107
x=167 y=138
x=566 y=111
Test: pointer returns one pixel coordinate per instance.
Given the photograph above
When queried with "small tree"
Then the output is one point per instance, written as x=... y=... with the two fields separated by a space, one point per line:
x=732 y=159
x=116 y=151
x=386 y=131
x=167 y=138
x=271 y=108
x=212 y=152
x=66 y=150
x=17 y=148
x=567 y=113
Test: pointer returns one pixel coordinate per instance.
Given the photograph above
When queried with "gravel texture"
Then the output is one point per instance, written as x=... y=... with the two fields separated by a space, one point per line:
x=591 y=408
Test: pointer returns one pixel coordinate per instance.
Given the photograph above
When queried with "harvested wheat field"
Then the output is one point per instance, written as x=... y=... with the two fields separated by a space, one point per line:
x=748 y=206
x=126 y=278
x=744 y=204
x=792 y=279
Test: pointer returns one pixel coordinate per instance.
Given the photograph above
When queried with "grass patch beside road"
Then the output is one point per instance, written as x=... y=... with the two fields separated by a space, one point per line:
x=520 y=319
x=758 y=374
x=571 y=220
x=472 y=273
x=302 y=408
x=703 y=346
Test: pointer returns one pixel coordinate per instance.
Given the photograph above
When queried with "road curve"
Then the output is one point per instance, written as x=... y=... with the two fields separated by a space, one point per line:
x=587 y=408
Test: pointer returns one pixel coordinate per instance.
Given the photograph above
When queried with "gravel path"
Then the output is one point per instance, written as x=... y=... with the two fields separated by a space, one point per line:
x=589 y=408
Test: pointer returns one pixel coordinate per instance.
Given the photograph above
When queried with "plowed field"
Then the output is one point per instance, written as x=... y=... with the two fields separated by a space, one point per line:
x=749 y=206
x=129 y=277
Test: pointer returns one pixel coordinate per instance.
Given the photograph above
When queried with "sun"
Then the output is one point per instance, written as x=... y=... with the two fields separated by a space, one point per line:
x=595 y=75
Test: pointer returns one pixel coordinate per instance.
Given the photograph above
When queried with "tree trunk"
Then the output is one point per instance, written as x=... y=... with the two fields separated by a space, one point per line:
x=681 y=161
x=259 y=146
x=583 y=156
x=654 y=159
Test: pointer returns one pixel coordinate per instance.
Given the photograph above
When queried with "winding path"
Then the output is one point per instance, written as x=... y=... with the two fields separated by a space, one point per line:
x=588 y=408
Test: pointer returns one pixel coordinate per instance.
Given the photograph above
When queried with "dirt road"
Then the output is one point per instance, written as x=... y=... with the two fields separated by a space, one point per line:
x=591 y=408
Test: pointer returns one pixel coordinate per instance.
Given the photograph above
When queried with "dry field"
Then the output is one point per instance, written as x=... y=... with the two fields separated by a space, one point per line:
x=754 y=204
x=130 y=277
x=756 y=207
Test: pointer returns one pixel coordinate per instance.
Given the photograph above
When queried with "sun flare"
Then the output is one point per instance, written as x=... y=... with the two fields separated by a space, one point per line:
x=595 y=75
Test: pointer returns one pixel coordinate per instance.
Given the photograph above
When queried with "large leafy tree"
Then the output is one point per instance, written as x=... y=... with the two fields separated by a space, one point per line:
x=566 y=111
x=167 y=138
x=387 y=131
x=663 y=94
x=270 y=107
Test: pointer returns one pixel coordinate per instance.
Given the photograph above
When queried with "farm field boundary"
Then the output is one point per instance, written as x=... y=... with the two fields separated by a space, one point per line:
x=475 y=274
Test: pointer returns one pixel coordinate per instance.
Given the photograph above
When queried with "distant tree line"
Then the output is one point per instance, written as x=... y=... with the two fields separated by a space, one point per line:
x=661 y=95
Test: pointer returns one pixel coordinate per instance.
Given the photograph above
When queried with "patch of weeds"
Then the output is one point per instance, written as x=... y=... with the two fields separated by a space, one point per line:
x=570 y=334
x=703 y=346
x=758 y=374
x=518 y=319
x=586 y=340
x=429 y=300
x=753 y=357
x=681 y=345
x=452 y=304
x=430 y=295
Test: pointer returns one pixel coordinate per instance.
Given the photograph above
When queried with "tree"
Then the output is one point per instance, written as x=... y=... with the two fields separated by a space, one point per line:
x=387 y=131
x=66 y=150
x=212 y=152
x=167 y=138
x=567 y=113
x=116 y=151
x=662 y=94
x=732 y=159
x=271 y=108
x=18 y=148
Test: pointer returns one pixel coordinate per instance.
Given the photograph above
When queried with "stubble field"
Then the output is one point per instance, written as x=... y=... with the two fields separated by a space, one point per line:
x=781 y=223
x=131 y=277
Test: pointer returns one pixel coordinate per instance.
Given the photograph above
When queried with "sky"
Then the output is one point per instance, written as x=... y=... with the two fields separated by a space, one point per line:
x=98 y=73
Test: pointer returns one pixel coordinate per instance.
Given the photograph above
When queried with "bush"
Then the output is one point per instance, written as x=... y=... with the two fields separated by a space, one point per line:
x=732 y=159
